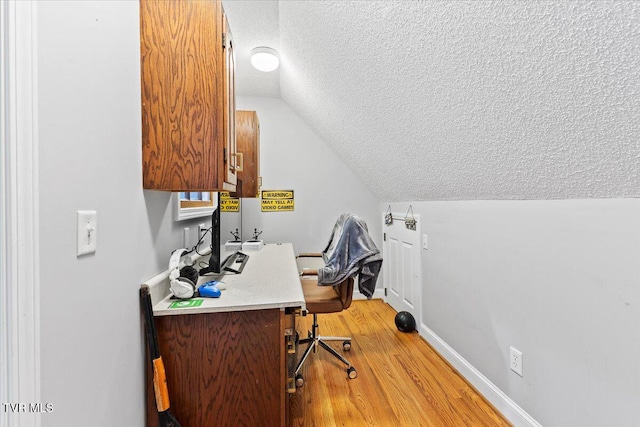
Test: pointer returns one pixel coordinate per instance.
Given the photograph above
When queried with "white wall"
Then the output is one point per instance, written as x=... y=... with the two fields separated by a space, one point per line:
x=559 y=281
x=293 y=157
x=90 y=158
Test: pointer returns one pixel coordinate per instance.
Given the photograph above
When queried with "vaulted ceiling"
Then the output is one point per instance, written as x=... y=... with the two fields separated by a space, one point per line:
x=459 y=100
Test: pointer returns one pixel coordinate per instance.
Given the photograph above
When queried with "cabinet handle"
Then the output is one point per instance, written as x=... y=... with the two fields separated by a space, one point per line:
x=239 y=162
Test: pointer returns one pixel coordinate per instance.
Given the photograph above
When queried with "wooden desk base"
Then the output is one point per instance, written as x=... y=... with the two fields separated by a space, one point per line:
x=225 y=369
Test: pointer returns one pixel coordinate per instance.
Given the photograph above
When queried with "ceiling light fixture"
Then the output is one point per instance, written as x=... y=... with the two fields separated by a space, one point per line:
x=264 y=58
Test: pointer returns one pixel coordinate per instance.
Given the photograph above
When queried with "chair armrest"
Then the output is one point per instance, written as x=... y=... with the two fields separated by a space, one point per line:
x=313 y=262
x=310 y=255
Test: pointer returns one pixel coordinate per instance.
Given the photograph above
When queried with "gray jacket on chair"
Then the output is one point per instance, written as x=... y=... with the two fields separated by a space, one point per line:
x=351 y=252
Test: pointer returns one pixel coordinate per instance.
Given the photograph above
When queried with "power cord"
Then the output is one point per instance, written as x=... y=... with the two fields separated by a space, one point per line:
x=197 y=245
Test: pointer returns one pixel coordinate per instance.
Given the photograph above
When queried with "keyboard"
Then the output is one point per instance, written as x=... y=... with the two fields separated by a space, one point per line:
x=235 y=262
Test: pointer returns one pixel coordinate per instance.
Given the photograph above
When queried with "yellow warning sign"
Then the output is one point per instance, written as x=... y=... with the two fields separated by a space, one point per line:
x=277 y=200
x=228 y=203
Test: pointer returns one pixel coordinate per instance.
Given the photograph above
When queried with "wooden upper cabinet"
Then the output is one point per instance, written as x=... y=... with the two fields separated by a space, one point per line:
x=188 y=97
x=248 y=141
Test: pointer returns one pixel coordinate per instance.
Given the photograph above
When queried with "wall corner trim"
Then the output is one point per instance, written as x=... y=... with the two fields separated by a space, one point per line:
x=19 y=192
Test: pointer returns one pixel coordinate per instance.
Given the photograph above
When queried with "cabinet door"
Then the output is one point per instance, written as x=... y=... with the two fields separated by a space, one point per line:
x=230 y=158
x=184 y=86
x=223 y=369
x=248 y=140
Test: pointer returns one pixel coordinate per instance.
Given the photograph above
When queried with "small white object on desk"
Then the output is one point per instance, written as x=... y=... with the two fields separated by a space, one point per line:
x=232 y=245
x=252 y=245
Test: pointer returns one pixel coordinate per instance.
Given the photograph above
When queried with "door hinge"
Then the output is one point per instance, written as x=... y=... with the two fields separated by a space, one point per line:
x=224 y=40
x=384 y=237
x=385 y=292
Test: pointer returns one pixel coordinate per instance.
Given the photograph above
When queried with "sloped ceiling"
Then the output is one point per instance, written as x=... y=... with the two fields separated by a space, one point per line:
x=454 y=100
x=254 y=24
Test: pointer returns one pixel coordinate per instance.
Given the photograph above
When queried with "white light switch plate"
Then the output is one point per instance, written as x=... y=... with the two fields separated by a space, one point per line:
x=87 y=232
x=425 y=242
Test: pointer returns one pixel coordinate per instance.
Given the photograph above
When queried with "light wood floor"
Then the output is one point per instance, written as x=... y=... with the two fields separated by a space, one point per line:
x=401 y=380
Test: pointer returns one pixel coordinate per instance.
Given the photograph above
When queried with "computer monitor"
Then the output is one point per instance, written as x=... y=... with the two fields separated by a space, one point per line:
x=214 y=259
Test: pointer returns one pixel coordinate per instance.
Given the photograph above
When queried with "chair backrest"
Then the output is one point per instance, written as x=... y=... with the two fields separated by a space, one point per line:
x=345 y=290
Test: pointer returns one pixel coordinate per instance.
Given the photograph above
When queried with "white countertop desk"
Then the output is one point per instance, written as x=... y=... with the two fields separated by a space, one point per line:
x=231 y=360
x=270 y=279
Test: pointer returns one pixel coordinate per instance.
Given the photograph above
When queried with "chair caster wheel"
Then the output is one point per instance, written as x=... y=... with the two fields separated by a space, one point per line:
x=346 y=345
x=299 y=380
x=351 y=373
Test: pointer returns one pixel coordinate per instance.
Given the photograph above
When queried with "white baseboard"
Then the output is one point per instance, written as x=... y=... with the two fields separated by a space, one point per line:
x=507 y=407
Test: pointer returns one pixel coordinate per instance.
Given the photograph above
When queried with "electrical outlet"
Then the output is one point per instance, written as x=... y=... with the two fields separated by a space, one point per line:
x=515 y=360
x=202 y=230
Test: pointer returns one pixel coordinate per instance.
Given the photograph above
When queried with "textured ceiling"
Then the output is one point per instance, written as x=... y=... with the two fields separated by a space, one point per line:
x=254 y=24
x=453 y=100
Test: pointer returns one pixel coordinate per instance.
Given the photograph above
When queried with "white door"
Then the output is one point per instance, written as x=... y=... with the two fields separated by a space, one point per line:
x=402 y=269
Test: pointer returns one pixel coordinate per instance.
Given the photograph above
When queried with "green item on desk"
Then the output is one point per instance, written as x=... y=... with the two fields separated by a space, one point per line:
x=186 y=303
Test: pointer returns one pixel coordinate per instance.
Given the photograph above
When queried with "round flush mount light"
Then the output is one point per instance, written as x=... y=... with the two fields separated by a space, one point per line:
x=264 y=58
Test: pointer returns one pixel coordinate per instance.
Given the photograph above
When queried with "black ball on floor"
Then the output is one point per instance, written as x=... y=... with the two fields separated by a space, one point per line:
x=405 y=322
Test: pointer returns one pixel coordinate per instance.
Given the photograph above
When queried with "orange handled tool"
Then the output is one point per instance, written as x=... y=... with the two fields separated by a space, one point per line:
x=159 y=377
